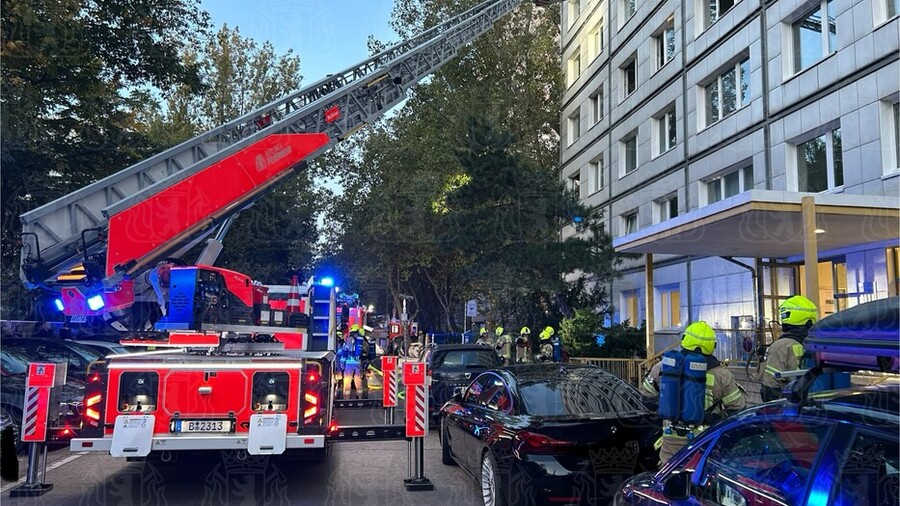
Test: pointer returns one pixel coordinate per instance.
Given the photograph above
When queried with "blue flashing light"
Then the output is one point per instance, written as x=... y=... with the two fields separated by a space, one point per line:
x=96 y=303
x=578 y=219
x=327 y=281
x=59 y=305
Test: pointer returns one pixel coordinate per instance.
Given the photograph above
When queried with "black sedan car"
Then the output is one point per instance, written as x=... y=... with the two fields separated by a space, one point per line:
x=455 y=365
x=47 y=349
x=63 y=424
x=549 y=434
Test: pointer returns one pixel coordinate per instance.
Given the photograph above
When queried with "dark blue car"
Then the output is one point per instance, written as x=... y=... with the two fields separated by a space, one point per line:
x=839 y=448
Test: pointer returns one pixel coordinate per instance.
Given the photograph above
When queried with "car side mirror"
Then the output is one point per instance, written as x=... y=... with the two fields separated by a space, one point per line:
x=457 y=394
x=677 y=486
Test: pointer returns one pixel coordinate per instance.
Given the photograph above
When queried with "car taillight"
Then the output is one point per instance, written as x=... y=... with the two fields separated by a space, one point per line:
x=539 y=444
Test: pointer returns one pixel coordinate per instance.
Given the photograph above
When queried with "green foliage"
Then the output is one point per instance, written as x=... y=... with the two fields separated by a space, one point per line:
x=457 y=195
x=580 y=333
x=73 y=73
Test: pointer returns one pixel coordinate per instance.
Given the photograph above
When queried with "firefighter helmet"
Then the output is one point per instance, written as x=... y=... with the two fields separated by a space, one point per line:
x=798 y=311
x=354 y=328
x=699 y=335
x=547 y=333
x=482 y=332
x=498 y=331
x=525 y=331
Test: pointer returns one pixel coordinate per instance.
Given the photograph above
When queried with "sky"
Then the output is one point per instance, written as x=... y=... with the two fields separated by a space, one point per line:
x=329 y=35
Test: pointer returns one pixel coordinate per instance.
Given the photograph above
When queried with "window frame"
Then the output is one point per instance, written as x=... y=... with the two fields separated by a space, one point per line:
x=711 y=15
x=665 y=128
x=596 y=39
x=629 y=65
x=744 y=173
x=828 y=43
x=575 y=183
x=597 y=174
x=573 y=126
x=662 y=56
x=630 y=137
x=626 y=6
x=664 y=208
x=831 y=160
x=598 y=109
x=739 y=74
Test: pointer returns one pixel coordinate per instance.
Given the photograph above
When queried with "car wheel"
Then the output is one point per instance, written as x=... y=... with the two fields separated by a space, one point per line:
x=446 y=456
x=16 y=417
x=491 y=489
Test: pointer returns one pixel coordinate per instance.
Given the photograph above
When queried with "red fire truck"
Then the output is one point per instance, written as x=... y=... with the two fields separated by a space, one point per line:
x=234 y=376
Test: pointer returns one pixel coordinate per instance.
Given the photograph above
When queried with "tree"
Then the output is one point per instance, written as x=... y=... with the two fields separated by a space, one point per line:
x=73 y=73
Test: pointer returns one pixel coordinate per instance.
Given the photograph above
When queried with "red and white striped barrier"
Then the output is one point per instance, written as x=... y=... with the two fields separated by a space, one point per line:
x=416 y=399
x=389 y=370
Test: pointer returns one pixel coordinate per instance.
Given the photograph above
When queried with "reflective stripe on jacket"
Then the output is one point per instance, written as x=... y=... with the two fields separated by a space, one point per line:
x=783 y=355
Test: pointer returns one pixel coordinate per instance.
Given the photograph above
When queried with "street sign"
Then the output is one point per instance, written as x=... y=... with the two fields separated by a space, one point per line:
x=472 y=308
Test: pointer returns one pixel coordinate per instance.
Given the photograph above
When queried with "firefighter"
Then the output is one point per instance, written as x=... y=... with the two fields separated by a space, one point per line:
x=483 y=337
x=523 y=346
x=693 y=389
x=547 y=346
x=503 y=345
x=797 y=315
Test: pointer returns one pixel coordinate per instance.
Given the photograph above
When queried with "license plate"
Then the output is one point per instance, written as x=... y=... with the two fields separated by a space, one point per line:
x=78 y=318
x=202 y=426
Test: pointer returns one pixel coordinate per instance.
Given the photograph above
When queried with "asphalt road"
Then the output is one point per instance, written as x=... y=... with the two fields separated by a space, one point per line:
x=362 y=473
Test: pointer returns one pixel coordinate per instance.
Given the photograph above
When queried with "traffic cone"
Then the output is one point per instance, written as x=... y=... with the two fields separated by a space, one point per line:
x=292 y=311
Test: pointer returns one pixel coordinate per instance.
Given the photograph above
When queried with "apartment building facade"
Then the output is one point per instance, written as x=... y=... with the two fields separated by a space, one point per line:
x=698 y=126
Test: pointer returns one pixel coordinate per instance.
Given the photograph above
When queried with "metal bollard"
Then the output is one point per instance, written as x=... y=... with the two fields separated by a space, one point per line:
x=34 y=478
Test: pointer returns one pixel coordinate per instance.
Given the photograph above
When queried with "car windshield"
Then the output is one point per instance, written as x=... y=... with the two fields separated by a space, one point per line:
x=485 y=358
x=578 y=395
x=13 y=365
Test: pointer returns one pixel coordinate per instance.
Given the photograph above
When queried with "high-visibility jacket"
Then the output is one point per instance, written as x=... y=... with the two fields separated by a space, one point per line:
x=783 y=355
x=504 y=343
x=722 y=397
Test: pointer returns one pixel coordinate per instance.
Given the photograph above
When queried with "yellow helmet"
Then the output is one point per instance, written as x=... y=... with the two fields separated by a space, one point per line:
x=525 y=331
x=547 y=332
x=354 y=328
x=482 y=332
x=498 y=331
x=699 y=335
x=798 y=311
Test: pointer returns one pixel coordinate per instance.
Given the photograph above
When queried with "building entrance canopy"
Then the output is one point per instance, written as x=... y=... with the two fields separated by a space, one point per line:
x=769 y=224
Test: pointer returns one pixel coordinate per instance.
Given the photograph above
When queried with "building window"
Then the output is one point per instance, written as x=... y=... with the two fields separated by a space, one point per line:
x=598 y=174
x=820 y=163
x=629 y=75
x=728 y=92
x=629 y=153
x=574 y=10
x=574 y=66
x=716 y=9
x=575 y=184
x=892 y=8
x=596 y=39
x=630 y=307
x=597 y=106
x=896 y=109
x=629 y=223
x=629 y=7
x=665 y=128
x=670 y=306
x=574 y=125
x=664 y=44
x=891 y=134
x=729 y=185
x=668 y=208
x=813 y=39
